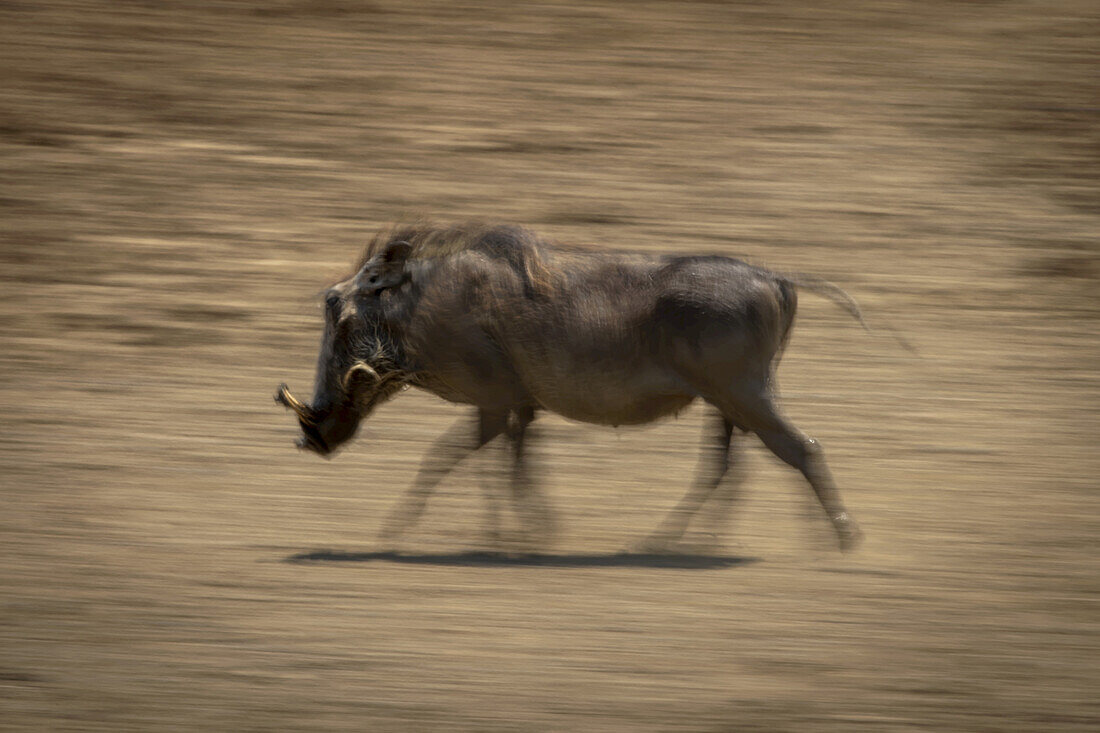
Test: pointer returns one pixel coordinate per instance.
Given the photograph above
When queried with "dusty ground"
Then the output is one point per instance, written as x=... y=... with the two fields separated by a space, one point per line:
x=178 y=181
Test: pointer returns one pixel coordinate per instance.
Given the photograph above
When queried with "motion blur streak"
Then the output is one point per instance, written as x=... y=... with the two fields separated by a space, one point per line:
x=182 y=181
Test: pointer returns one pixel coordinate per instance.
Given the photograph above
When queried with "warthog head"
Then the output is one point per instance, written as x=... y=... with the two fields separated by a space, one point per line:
x=359 y=364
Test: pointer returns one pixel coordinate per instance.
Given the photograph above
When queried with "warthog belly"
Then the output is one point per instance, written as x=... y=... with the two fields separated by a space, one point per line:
x=614 y=406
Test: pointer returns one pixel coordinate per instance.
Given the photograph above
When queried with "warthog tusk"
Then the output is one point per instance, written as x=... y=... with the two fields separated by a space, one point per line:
x=359 y=367
x=286 y=399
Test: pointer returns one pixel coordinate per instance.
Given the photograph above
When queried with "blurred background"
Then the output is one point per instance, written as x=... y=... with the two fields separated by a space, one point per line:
x=179 y=180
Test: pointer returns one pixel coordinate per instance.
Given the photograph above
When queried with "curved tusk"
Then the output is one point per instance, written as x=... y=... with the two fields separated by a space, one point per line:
x=359 y=367
x=286 y=399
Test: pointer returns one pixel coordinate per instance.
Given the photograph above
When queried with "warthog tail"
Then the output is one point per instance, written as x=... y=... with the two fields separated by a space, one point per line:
x=840 y=297
x=829 y=291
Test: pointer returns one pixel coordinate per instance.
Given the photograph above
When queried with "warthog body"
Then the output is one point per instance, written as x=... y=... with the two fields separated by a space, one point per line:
x=496 y=318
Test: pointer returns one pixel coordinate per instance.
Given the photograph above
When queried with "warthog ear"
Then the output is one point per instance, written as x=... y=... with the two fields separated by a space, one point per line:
x=396 y=253
x=386 y=269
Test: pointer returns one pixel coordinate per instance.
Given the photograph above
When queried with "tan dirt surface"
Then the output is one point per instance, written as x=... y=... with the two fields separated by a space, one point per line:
x=179 y=180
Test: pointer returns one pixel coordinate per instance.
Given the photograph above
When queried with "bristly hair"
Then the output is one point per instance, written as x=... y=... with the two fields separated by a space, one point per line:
x=522 y=249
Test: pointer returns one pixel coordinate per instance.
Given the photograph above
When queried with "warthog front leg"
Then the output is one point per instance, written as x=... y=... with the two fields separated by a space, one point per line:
x=530 y=504
x=458 y=442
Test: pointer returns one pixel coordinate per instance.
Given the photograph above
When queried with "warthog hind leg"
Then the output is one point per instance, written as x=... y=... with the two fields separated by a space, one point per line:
x=713 y=465
x=757 y=412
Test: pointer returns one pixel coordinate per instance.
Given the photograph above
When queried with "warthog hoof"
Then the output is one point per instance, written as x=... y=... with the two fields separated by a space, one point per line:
x=655 y=544
x=704 y=544
x=848 y=532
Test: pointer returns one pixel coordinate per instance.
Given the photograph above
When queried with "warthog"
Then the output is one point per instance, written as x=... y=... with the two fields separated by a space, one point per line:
x=497 y=318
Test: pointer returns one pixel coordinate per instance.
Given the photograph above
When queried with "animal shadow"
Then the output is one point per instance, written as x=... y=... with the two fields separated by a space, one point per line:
x=496 y=559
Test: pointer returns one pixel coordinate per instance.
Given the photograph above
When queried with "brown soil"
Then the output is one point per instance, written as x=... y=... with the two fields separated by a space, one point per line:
x=179 y=180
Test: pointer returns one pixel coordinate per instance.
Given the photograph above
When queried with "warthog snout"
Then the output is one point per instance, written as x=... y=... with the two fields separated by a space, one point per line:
x=322 y=430
x=311 y=438
x=313 y=441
